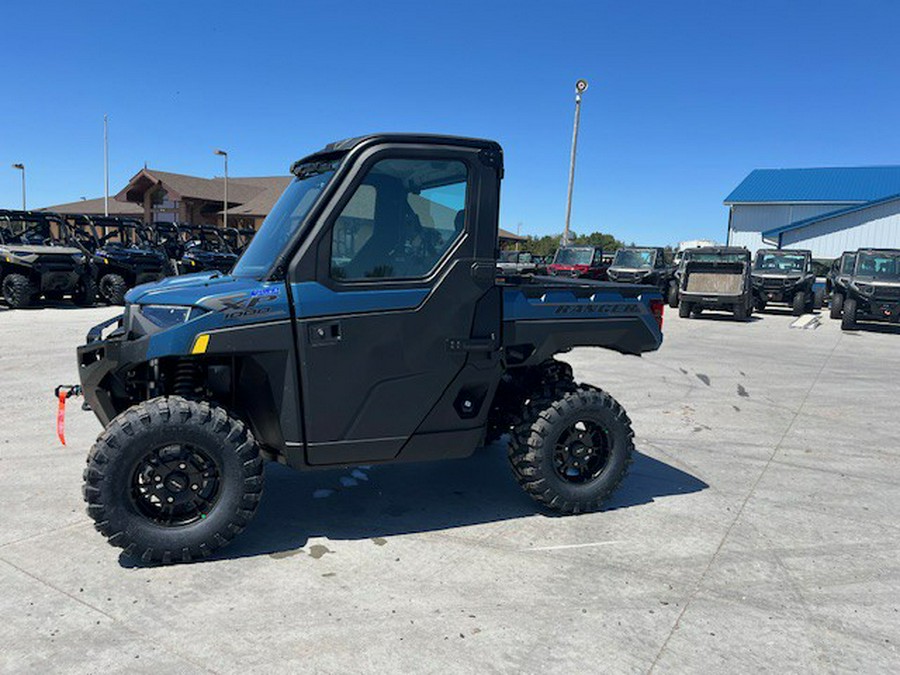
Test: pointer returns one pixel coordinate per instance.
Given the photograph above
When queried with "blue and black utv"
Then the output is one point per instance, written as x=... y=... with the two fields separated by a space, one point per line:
x=363 y=324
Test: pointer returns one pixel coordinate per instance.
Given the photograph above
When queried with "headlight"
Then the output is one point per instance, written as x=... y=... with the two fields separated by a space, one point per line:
x=757 y=280
x=166 y=316
x=865 y=289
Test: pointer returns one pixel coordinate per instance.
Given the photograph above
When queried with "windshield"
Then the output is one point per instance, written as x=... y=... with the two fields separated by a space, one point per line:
x=714 y=257
x=574 y=256
x=284 y=219
x=885 y=266
x=634 y=258
x=773 y=261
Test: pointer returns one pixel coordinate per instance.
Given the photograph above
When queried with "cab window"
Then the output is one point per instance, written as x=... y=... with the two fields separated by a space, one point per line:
x=400 y=221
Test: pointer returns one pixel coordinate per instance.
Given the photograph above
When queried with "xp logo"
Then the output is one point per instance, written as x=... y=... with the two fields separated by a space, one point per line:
x=242 y=306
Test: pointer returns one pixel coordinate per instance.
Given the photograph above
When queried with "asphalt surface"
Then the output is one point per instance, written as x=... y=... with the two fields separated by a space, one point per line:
x=757 y=531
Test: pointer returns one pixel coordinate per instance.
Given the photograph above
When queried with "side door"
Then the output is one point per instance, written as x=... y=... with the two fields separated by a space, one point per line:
x=386 y=317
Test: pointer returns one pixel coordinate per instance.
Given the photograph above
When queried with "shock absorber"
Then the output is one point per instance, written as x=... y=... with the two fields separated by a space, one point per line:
x=186 y=377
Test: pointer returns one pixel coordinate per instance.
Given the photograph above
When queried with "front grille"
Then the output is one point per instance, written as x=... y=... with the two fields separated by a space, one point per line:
x=889 y=293
x=773 y=284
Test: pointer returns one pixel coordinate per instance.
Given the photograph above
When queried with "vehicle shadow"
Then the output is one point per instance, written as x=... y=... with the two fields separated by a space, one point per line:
x=884 y=328
x=722 y=316
x=409 y=498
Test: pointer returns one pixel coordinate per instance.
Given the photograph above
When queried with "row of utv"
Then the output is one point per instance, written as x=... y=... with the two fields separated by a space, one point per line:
x=92 y=259
x=861 y=285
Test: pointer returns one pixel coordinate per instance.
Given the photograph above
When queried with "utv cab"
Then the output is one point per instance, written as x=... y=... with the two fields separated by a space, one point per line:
x=786 y=276
x=122 y=252
x=717 y=278
x=580 y=262
x=641 y=266
x=39 y=258
x=873 y=291
x=205 y=250
x=511 y=263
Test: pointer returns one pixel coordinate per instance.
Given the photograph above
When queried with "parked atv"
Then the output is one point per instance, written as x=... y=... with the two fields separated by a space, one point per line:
x=352 y=332
x=39 y=259
x=238 y=239
x=580 y=262
x=838 y=278
x=642 y=266
x=786 y=276
x=122 y=254
x=873 y=292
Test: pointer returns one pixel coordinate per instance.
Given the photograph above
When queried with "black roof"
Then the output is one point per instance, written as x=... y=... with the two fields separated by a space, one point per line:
x=347 y=144
x=786 y=250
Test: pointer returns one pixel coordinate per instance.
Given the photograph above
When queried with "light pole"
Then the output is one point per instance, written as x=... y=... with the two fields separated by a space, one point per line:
x=225 y=210
x=580 y=87
x=105 y=165
x=21 y=167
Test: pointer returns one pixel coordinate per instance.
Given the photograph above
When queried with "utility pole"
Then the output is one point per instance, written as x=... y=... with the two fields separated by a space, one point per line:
x=580 y=87
x=225 y=209
x=105 y=165
x=21 y=167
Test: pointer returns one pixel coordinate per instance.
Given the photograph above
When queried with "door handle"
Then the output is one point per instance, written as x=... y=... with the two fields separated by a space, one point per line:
x=325 y=333
x=471 y=345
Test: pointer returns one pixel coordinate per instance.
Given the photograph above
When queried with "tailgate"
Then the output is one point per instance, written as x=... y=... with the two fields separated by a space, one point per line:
x=711 y=278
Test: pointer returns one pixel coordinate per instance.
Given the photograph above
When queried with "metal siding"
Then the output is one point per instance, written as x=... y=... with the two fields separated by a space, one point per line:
x=750 y=240
x=877 y=227
x=749 y=221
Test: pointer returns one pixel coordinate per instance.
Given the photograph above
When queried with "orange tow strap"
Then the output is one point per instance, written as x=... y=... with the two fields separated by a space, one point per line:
x=61 y=418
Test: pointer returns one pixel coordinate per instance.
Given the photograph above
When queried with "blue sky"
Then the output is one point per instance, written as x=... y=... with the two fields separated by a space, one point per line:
x=685 y=97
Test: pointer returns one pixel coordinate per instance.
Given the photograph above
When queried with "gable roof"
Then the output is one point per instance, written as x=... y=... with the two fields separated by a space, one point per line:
x=797 y=224
x=841 y=185
x=94 y=207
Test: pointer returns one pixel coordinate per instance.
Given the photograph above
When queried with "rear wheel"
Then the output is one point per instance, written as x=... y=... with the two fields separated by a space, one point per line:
x=673 y=295
x=173 y=480
x=741 y=312
x=848 y=317
x=18 y=291
x=837 y=305
x=684 y=310
x=85 y=294
x=572 y=453
x=760 y=305
x=799 y=303
x=113 y=289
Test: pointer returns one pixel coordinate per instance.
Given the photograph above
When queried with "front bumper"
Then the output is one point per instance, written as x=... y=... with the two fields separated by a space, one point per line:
x=103 y=365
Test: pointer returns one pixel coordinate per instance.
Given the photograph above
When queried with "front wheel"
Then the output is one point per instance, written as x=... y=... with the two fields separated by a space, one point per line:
x=799 y=304
x=837 y=305
x=173 y=480
x=848 y=317
x=573 y=452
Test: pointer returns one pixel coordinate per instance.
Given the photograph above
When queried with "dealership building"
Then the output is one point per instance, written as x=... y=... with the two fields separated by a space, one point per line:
x=156 y=196
x=827 y=210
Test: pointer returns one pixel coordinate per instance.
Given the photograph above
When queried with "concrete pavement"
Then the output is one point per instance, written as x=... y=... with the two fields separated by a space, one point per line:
x=757 y=531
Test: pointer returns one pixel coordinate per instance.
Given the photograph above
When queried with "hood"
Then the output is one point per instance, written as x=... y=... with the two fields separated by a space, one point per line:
x=192 y=289
x=632 y=270
x=29 y=249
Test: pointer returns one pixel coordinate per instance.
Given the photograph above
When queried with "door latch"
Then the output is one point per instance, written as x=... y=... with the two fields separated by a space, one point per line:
x=325 y=332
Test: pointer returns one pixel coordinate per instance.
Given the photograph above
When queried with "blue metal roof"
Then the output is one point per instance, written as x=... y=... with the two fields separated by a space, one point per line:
x=837 y=184
x=768 y=234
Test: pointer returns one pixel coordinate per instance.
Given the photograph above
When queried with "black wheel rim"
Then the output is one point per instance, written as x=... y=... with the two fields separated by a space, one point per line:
x=581 y=452
x=175 y=485
x=106 y=289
